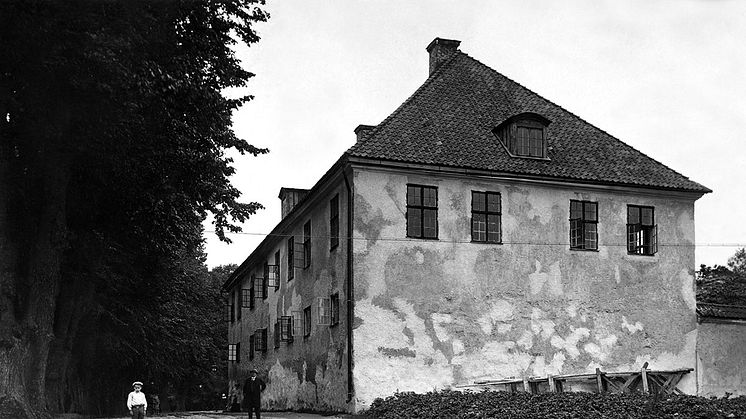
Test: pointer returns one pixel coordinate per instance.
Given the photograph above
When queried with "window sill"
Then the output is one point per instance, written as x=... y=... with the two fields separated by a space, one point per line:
x=584 y=250
x=435 y=239
x=485 y=242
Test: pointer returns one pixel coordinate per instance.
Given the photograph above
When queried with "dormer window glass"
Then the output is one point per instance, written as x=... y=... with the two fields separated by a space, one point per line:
x=524 y=135
x=529 y=141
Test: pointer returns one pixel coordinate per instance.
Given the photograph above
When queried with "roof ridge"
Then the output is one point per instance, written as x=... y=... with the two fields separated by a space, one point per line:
x=583 y=120
x=406 y=102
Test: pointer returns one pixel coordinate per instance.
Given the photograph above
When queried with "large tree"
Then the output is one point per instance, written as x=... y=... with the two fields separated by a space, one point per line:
x=113 y=131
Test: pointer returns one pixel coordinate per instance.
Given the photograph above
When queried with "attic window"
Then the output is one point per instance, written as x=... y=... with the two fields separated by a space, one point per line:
x=524 y=135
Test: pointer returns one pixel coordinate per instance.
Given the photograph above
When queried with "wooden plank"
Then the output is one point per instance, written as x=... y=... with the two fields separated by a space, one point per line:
x=552 y=388
x=526 y=387
x=599 y=381
x=610 y=382
x=628 y=383
x=644 y=375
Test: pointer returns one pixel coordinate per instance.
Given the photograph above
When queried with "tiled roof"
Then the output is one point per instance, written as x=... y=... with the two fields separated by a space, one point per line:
x=448 y=121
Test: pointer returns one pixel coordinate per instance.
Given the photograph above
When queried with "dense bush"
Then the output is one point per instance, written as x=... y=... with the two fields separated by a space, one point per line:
x=499 y=404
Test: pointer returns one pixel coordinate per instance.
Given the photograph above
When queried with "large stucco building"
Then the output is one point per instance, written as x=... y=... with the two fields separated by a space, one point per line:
x=480 y=231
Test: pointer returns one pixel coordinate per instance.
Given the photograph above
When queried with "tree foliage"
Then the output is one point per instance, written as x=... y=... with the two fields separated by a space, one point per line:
x=724 y=285
x=113 y=132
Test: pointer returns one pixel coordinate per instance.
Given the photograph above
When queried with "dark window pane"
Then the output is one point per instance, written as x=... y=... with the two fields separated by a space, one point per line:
x=429 y=198
x=493 y=202
x=413 y=195
x=591 y=236
x=647 y=216
x=576 y=231
x=477 y=201
x=633 y=215
x=430 y=224
x=414 y=217
x=590 y=211
x=479 y=228
x=576 y=210
x=493 y=228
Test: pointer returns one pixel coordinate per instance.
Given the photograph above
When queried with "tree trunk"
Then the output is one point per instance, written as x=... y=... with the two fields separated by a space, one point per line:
x=32 y=241
x=64 y=394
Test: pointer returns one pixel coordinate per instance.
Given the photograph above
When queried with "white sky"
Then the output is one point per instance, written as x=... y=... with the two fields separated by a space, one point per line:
x=666 y=77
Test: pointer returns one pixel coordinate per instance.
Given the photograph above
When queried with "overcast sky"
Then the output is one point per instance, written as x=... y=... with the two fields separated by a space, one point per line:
x=666 y=77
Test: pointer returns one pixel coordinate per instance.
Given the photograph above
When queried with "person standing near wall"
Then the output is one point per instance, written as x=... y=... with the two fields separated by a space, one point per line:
x=252 y=393
x=136 y=401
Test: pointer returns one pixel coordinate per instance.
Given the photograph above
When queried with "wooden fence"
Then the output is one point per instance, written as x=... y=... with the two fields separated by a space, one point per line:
x=645 y=380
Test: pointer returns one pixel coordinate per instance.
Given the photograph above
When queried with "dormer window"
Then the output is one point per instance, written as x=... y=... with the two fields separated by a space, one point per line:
x=524 y=135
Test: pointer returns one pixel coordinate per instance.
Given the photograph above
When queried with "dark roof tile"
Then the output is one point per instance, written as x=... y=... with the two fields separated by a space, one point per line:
x=448 y=121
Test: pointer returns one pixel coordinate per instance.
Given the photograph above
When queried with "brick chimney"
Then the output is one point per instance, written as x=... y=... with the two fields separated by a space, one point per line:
x=362 y=129
x=440 y=49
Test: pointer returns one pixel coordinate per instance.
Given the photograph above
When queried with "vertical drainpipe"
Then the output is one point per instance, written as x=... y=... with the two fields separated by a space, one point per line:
x=350 y=282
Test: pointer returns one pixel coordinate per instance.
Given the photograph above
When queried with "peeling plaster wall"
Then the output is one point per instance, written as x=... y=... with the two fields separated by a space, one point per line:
x=721 y=359
x=430 y=314
x=310 y=372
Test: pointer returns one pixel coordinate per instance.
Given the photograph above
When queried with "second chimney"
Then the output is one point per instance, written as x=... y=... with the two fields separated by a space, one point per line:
x=440 y=49
x=362 y=129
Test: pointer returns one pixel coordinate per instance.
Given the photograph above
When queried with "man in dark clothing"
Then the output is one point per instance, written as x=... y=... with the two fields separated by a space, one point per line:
x=252 y=390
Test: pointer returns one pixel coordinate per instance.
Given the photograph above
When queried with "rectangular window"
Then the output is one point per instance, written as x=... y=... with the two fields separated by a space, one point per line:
x=335 y=308
x=265 y=281
x=260 y=340
x=272 y=277
x=237 y=303
x=252 y=291
x=232 y=308
x=291 y=256
x=486 y=217
x=246 y=298
x=232 y=352
x=307 y=244
x=422 y=212
x=228 y=311
x=642 y=232
x=529 y=141
x=324 y=311
x=260 y=288
x=252 y=346
x=277 y=270
x=334 y=222
x=583 y=225
x=307 y=321
x=297 y=323
x=286 y=328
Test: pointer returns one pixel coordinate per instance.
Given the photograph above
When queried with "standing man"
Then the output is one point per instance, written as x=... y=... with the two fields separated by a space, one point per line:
x=252 y=390
x=136 y=402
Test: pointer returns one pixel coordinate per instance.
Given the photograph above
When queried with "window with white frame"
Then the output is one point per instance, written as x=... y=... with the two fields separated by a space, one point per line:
x=486 y=217
x=324 y=311
x=642 y=232
x=583 y=225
